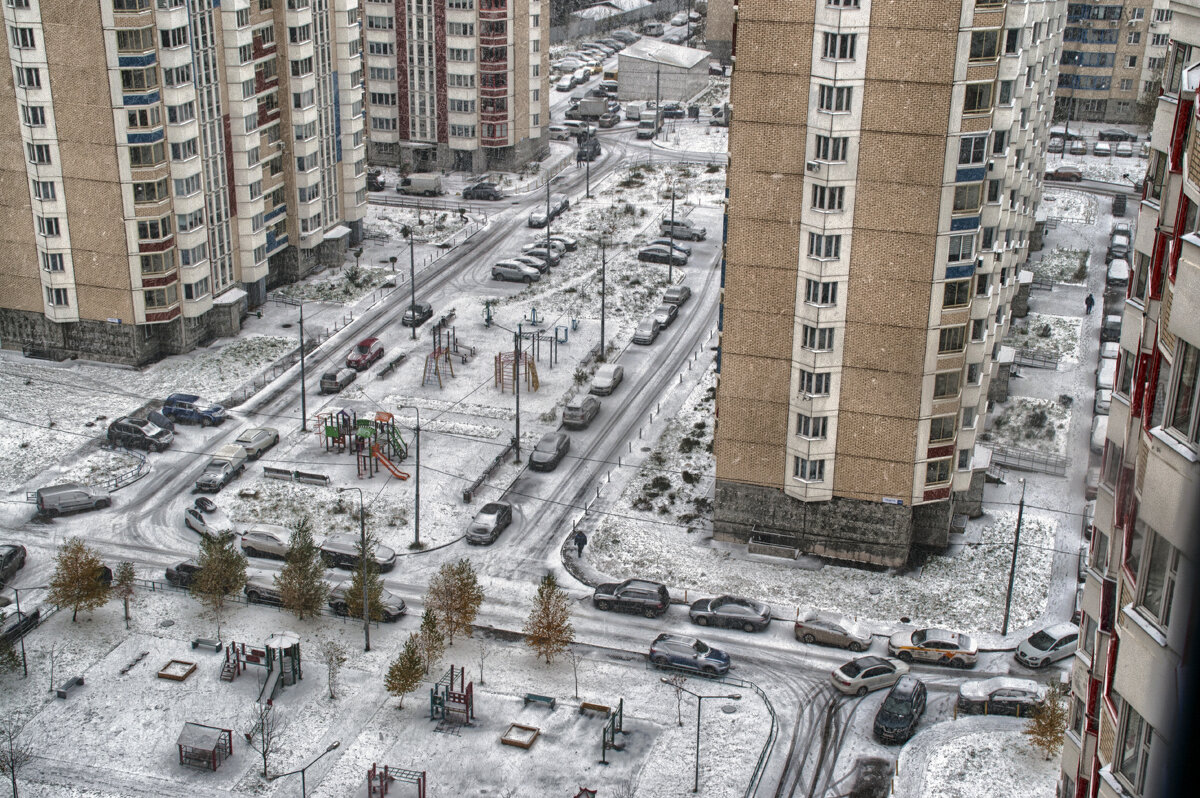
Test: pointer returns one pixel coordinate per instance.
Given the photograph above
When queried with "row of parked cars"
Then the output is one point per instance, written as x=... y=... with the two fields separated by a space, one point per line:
x=1102 y=148
x=589 y=56
x=272 y=541
x=536 y=258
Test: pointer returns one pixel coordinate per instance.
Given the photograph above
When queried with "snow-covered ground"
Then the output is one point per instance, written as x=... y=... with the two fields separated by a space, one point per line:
x=698 y=136
x=1057 y=336
x=974 y=756
x=1031 y=423
x=1061 y=265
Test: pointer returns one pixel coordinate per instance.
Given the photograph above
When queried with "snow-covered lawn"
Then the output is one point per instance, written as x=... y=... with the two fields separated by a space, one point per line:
x=1057 y=336
x=695 y=136
x=1062 y=266
x=967 y=763
x=1059 y=202
x=1028 y=423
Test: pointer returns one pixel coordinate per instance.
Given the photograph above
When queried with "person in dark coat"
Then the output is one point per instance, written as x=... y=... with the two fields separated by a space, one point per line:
x=580 y=541
x=1089 y=303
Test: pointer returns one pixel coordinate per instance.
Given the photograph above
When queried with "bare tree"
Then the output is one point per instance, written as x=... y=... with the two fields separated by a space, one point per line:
x=14 y=754
x=484 y=651
x=333 y=654
x=677 y=681
x=265 y=730
x=574 y=657
x=54 y=655
x=626 y=788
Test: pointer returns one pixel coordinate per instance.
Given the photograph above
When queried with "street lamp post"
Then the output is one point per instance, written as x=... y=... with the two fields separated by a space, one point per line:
x=17 y=600
x=603 y=291
x=699 y=703
x=417 y=527
x=412 y=282
x=1012 y=571
x=366 y=605
x=671 y=248
x=303 y=394
x=517 y=391
x=547 y=223
x=303 y=785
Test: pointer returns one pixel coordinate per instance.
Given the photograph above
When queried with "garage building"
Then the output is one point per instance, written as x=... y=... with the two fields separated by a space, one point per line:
x=679 y=72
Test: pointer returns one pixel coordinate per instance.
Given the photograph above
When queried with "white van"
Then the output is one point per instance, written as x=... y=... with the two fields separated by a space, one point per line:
x=559 y=133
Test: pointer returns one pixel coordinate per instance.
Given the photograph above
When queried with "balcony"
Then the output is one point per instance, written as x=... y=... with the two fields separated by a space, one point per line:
x=500 y=141
x=493 y=91
x=493 y=67
x=495 y=117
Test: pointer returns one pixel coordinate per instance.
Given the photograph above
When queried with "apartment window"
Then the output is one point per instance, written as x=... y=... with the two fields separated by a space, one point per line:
x=176 y=37
x=989 y=233
x=461 y=81
x=301 y=67
x=1136 y=14
x=53 y=262
x=161 y=297
x=964 y=459
x=977 y=329
x=814 y=383
x=937 y=471
x=962 y=248
x=29 y=78
x=817 y=338
x=44 y=190
x=385 y=123
x=1162 y=15
x=196 y=290
x=309 y=193
x=952 y=339
x=135 y=40
x=463 y=131
x=941 y=428
x=195 y=255
x=154 y=229
x=388 y=73
x=57 y=297
x=835 y=99
x=993 y=190
x=155 y=262
x=460 y=54
x=1006 y=93
x=842 y=3
x=972 y=150
x=828 y=198
x=381 y=48
x=945 y=384
x=1156 y=583
x=304 y=99
x=139 y=79
x=1133 y=748
x=957 y=294
x=819 y=293
x=808 y=470
x=1183 y=414
x=968 y=417
x=48 y=226
x=184 y=187
x=1134 y=37
x=999 y=142
x=831 y=148
x=966 y=198
x=38 y=153
x=182 y=150
x=977 y=98
x=462 y=106
x=177 y=76
x=823 y=246
x=303 y=33
x=1012 y=40
x=813 y=427
x=25 y=3
x=33 y=115
x=973 y=374
x=839 y=46
x=985 y=45
x=254 y=189
x=142 y=155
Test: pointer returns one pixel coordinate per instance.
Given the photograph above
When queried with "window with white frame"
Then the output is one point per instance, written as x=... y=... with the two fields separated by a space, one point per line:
x=972 y=150
x=839 y=46
x=818 y=339
x=29 y=78
x=937 y=471
x=828 y=198
x=38 y=153
x=1156 y=582
x=967 y=197
x=945 y=384
x=977 y=98
x=941 y=429
x=53 y=262
x=952 y=339
x=22 y=38
x=957 y=294
x=968 y=417
x=964 y=459
x=831 y=148
x=807 y=470
x=834 y=99
x=842 y=3
x=825 y=247
x=962 y=247
x=814 y=383
x=819 y=293
x=57 y=297
x=1134 y=736
x=33 y=115
x=48 y=226
x=1183 y=411
x=161 y=297
x=812 y=427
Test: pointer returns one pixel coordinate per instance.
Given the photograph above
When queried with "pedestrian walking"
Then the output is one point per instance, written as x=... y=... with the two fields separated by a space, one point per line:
x=1089 y=303
x=580 y=542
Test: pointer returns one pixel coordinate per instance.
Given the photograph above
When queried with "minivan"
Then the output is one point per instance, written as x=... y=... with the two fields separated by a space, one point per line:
x=70 y=497
x=334 y=381
x=580 y=411
x=559 y=133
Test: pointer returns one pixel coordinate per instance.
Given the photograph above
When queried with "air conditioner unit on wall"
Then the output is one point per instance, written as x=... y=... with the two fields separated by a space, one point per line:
x=812 y=166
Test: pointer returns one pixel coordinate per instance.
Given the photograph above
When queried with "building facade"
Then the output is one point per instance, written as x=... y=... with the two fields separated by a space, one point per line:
x=875 y=224
x=457 y=84
x=168 y=162
x=1112 y=60
x=718 y=29
x=653 y=70
x=1136 y=605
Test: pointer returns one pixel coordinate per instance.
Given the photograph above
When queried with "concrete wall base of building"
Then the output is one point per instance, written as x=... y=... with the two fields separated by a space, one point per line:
x=970 y=501
x=860 y=532
x=931 y=524
x=447 y=159
x=998 y=387
x=1020 y=301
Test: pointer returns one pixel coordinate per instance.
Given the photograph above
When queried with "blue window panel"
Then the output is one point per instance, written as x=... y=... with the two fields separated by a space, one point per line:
x=965 y=223
x=137 y=60
x=140 y=99
x=146 y=138
x=276 y=211
x=960 y=271
x=971 y=175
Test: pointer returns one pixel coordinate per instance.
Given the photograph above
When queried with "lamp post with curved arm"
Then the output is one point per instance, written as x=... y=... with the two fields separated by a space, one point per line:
x=699 y=703
x=303 y=786
x=417 y=504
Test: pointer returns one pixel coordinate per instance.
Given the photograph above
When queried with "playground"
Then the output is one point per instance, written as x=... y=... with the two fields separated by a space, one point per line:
x=129 y=731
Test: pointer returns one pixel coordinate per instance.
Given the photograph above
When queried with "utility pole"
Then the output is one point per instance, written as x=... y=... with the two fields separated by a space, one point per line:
x=587 y=193
x=671 y=249
x=1012 y=570
x=547 y=223
x=412 y=283
x=657 y=99
x=366 y=597
x=517 y=391
x=303 y=396
x=603 y=286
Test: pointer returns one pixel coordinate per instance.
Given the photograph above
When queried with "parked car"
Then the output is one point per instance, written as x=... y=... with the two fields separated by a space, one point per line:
x=683 y=229
x=226 y=464
x=417 y=314
x=626 y=36
x=1102 y=404
x=515 y=272
x=569 y=244
x=530 y=260
x=580 y=410
x=1000 y=695
x=637 y=596
x=1069 y=174
x=1055 y=145
x=550 y=451
x=658 y=253
x=665 y=314
x=682 y=249
x=12 y=559
x=204 y=504
x=492 y=519
x=539 y=241
x=257 y=440
x=831 y=629
x=335 y=380
x=607 y=120
x=191 y=409
x=1078 y=147
x=15 y=625
x=732 y=612
x=1117 y=276
x=673 y=111
x=132 y=432
x=677 y=294
x=393 y=607
x=1106 y=374
x=483 y=191
x=1124 y=150
x=182 y=574
x=70 y=497
x=1116 y=134
x=267 y=540
x=939 y=646
x=688 y=653
x=1099 y=434
x=548 y=255
x=260 y=589
x=896 y=721
x=1118 y=247
x=606 y=379
x=646 y=332
x=364 y=353
x=1102 y=148
x=565 y=83
x=194 y=520
x=864 y=674
x=558 y=133
x=1110 y=329
x=1047 y=645
x=341 y=551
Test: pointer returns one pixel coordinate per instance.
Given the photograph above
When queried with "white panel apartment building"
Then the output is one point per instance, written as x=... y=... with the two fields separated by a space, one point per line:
x=168 y=162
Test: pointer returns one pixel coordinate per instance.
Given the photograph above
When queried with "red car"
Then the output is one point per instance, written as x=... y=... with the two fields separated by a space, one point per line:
x=364 y=353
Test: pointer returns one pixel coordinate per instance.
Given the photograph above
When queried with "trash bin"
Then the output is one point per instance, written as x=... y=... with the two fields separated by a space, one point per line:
x=693 y=111
x=1118 y=205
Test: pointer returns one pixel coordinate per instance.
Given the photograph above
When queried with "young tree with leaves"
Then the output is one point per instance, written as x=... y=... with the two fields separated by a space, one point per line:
x=301 y=582
x=431 y=643
x=548 y=630
x=1048 y=724
x=368 y=571
x=76 y=582
x=405 y=671
x=14 y=754
x=222 y=573
x=10 y=660
x=455 y=596
x=123 y=587
x=333 y=654
x=54 y=655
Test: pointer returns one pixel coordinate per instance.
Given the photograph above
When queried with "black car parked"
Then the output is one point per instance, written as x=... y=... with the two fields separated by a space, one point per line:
x=12 y=559
x=482 y=191
x=16 y=625
x=138 y=433
x=183 y=573
x=633 y=595
x=897 y=719
x=417 y=314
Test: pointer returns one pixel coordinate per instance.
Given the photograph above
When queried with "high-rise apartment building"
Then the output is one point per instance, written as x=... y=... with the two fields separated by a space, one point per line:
x=1112 y=60
x=885 y=164
x=718 y=29
x=458 y=84
x=168 y=161
x=1136 y=607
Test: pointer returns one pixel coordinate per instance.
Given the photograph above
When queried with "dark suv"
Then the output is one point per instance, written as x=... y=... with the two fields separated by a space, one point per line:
x=191 y=409
x=183 y=574
x=633 y=595
x=12 y=559
x=16 y=625
x=689 y=653
x=139 y=433
x=897 y=719
x=482 y=191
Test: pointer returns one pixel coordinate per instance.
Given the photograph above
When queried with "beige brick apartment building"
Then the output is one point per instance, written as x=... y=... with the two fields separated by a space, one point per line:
x=166 y=161
x=886 y=161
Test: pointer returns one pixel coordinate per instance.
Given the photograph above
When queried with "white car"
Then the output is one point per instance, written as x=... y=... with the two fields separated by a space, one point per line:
x=1048 y=645
x=257 y=440
x=679 y=19
x=864 y=674
x=607 y=378
x=938 y=646
x=267 y=540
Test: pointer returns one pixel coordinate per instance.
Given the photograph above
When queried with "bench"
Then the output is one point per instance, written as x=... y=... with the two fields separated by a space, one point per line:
x=69 y=685
x=207 y=642
x=540 y=699
x=391 y=365
x=587 y=706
